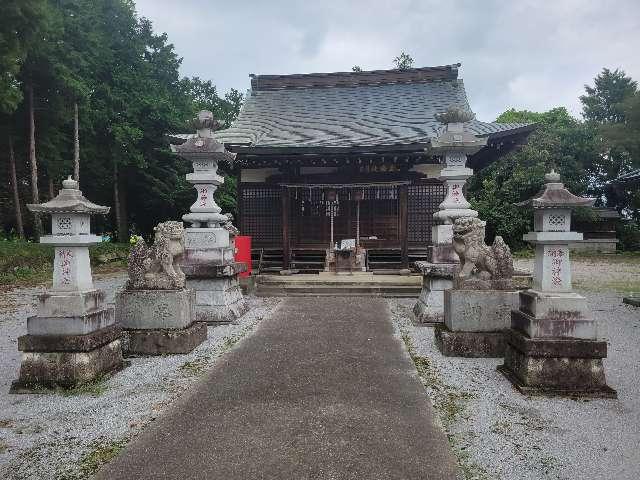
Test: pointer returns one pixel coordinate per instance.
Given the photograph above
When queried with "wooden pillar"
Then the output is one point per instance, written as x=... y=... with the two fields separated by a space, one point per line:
x=403 y=194
x=239 y=220
x=286 y=253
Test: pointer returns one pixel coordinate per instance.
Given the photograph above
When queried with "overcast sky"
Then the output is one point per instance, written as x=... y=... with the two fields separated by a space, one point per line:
x=533 y=54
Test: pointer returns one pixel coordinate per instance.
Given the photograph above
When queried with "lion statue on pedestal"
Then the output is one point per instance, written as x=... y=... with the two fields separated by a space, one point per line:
x=483 y=267
x=157 y=267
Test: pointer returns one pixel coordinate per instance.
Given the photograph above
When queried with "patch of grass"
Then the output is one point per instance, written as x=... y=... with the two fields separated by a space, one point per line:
x=447 y=400
x=617 y=257
x=501 y=428
x=95 y=388
x=450 y=403
x=619 y=286
x=3 y=446
x=194 y=368
x=469 y=469
x=25 y=263
x=5 y=423
x=100 y=454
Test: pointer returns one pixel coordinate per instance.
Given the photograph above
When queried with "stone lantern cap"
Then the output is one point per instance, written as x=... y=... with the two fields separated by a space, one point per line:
x=203 y=145
x=555 y=195
x=454 y=136
x=69 y=200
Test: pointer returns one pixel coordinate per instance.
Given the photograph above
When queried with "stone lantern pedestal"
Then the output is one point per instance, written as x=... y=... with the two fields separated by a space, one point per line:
x=553 y=346
x=454 y=145
x=73 y=338
x=209 y=263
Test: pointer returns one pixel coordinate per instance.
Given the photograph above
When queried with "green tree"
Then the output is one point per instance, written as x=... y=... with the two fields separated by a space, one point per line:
x=404 y=61
x=611 y=108
x=559 y=141
x=20 y=24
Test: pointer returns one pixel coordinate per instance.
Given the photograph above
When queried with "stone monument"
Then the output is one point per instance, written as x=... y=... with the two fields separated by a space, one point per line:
x=552 y=346
x=73 y=337
x=155 y=309
x=454 y=144
x=209 y=263
x=477 y=310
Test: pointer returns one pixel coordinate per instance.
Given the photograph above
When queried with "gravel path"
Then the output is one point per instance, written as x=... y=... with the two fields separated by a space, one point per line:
x=498 y=433
x=67 y=436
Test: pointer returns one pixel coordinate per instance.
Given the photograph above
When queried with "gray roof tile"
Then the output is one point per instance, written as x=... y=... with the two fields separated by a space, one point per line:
x=351 y=116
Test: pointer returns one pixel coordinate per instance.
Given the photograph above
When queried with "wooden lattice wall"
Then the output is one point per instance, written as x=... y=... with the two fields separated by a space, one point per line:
x=423 y=201
x=261 y=215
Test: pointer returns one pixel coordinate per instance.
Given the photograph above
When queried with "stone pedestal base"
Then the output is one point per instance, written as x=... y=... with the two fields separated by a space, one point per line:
x=474 y=322
x=218 y=300
x=50 y=361
x=207 y=246
x=554 y=315
x=154 y=309
x=565 y=367
x=479 y=310
x=469 y=344
x=158 y=322
x=163 y=341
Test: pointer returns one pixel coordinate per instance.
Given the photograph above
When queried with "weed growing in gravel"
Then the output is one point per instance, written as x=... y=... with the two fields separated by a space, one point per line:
x=101 y=453
x=450 y=403
x=229 y=342
x=95 y=388
x=3 y=446
x=469 y=469
x=194 y=368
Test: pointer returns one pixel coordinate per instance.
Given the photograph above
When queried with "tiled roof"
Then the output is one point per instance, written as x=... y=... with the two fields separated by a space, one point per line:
x=381 y=108
x=631 y=177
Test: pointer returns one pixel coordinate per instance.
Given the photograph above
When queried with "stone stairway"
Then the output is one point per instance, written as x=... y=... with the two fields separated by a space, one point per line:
x=323 y=285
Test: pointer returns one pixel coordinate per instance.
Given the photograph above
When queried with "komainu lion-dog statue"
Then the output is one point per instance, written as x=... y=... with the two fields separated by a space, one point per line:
x=157 y=267
x=483 y=267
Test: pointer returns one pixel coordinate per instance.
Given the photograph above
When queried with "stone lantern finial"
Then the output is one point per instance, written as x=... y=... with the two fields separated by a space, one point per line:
x=552 y=177
x=70 y=184
x=455 y=114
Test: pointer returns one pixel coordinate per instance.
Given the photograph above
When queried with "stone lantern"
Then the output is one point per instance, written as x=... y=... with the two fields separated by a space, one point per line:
x=73 y=338
x=552 y=346
x=209 y=260
x=454 y=145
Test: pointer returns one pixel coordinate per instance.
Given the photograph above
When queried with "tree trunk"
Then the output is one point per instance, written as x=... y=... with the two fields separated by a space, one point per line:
x=52 y=193
x=35 y=197
x=16 y=194
x=76 y=144
x=119 y=203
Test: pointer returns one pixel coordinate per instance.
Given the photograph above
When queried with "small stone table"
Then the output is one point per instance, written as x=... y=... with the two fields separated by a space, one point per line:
x=436 y=278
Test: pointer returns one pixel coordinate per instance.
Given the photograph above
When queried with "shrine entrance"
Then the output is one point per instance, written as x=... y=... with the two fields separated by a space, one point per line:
x=368 y=212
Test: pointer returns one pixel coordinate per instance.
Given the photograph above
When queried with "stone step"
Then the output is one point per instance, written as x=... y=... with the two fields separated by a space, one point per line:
x=406 y=291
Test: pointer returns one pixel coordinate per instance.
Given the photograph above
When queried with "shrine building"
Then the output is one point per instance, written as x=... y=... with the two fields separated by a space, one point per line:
x=352 y=149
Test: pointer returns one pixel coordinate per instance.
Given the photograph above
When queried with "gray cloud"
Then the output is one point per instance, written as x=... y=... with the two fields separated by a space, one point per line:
x=520 y=53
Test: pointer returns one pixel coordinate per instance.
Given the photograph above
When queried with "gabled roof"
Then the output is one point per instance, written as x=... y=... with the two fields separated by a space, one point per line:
x=630 y=178
x=353 y=109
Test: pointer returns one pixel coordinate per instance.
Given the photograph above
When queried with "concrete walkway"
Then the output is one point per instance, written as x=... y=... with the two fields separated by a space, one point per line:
x=322 y=390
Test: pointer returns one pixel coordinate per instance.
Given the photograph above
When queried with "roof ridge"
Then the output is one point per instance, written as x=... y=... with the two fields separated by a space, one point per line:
x=368 y=77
